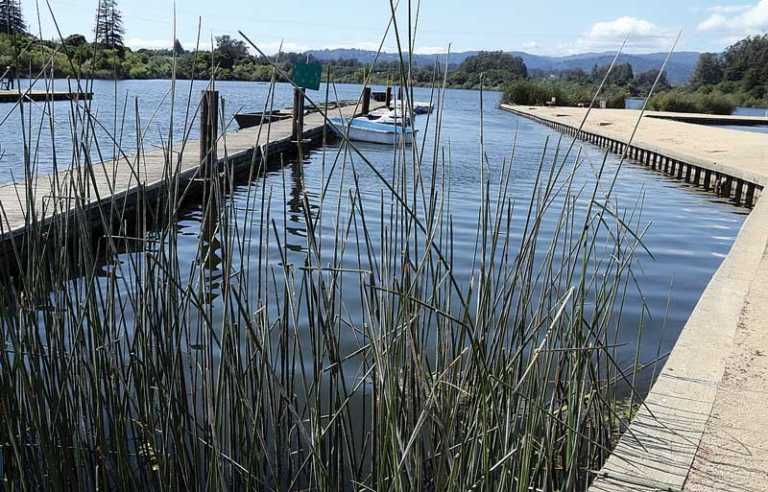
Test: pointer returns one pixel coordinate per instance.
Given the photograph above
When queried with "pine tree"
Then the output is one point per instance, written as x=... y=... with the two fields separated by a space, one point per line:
x=109 y=25
x=11 y=19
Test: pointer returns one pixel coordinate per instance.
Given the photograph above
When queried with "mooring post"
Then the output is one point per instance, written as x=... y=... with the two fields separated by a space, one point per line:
x=687 y=173
x=388 y=97
x=298 y=115
x=697 y=176
x=366 y=100
x=209 y=124
x=707 y=179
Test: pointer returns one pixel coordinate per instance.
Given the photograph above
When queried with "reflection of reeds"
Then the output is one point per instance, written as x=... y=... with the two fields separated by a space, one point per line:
x=121 y=368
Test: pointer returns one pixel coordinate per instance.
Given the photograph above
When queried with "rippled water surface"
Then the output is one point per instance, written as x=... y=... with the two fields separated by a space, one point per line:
x=688 y=232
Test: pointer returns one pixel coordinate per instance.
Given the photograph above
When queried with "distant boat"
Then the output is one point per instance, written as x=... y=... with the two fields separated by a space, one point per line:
x=418 y=107
x=383 y=130
x=379 y=96
x=248 y=120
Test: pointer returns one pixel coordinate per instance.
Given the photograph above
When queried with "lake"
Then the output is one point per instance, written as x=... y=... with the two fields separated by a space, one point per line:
x=353 y=315
x=689 y=232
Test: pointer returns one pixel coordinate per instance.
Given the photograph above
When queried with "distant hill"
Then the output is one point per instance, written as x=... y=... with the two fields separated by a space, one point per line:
x=679 y=69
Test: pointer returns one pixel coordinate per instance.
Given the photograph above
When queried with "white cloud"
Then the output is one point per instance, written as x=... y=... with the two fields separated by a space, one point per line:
x=431 y=50
x=641 y=35
x=750 y=20
x=714 y=21
x=531 y=46
x=728 y=9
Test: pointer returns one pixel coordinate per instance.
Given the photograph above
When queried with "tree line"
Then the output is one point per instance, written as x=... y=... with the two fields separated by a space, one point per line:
x=741 y=71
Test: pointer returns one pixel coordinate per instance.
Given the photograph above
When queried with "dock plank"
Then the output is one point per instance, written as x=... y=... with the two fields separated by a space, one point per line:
x=114 y=179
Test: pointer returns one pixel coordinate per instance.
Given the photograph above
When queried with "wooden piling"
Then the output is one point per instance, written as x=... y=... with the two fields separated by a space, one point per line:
x=366 y=104
x=209 y=126
x=298 y=115
x=388 y=98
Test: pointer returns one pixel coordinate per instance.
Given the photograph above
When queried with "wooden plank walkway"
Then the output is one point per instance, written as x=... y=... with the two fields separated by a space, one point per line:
x=14 y=96
x=116 y=180
x=703 y=425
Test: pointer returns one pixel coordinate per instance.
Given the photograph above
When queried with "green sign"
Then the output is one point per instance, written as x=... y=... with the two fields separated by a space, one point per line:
x=307 y=75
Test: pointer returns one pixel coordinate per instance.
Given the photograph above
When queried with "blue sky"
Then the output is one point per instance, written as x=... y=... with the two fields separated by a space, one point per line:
x=538 y=26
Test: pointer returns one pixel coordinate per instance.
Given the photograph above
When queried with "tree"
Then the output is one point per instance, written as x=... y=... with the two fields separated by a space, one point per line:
x=178 y=49
x=229 y=51
x=109 y=25
x=622 y=74
x=498 y=67
x=75 y=40
x=709 y=70
x=11 y=18
x=645 y=80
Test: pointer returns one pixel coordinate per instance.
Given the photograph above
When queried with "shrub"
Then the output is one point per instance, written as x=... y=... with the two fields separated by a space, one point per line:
x=566 y=93
x=687 y=102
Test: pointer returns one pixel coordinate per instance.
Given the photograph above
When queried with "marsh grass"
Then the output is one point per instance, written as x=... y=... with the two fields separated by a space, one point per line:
x=126 y=365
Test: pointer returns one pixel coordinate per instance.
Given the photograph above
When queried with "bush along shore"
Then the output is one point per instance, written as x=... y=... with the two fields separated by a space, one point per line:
x=229 y=60
x=719 y=84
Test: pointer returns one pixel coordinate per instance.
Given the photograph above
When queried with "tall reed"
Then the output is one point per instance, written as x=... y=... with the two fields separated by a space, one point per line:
x=363 y=362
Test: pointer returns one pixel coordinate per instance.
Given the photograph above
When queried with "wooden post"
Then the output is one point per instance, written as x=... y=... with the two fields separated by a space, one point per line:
x=697 y=176
x=707 y=179
x=366 y=100
x=298 y=115
x=388 y=97
x=687 y=173
x=209 y=125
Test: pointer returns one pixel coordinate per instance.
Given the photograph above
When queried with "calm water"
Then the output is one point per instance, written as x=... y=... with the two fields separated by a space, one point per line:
x=689 y=232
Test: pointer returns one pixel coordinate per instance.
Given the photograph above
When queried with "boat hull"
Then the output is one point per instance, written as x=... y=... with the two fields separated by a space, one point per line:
x=378 y=133
x=249 y=120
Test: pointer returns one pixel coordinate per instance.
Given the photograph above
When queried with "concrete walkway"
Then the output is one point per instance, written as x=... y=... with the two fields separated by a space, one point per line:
x=733 y=454
x=741 y=154
x=704 y=426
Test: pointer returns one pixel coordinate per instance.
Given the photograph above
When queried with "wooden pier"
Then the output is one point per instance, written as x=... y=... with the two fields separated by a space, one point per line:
x=703 y=425
x=120 y=184
x=43 y=96
x=731 y=163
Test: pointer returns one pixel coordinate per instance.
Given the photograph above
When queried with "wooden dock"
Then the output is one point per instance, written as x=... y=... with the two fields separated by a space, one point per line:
x=43 y=96
x=119 y=183
x=730 y=163
x=703 y=425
